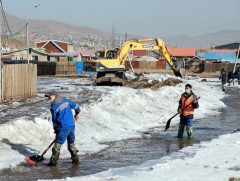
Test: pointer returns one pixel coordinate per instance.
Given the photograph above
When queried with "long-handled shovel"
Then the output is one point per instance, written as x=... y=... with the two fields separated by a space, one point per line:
x=169 y=121
x=38 y=158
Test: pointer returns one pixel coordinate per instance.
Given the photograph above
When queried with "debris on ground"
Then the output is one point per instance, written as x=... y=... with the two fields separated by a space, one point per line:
x=151 y=84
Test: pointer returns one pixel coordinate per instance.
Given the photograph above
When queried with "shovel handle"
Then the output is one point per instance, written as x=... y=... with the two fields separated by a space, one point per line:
x=48 y=148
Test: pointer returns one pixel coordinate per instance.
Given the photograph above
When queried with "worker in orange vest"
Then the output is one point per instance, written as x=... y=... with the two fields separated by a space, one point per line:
x=187 y=112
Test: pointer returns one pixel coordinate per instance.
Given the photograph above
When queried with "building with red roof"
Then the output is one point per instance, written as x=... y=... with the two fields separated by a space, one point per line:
x=181 y=53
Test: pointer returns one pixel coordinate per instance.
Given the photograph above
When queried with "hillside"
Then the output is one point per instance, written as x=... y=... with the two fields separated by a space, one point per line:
x=55 y=29
x=206 y=40
x=50 y=26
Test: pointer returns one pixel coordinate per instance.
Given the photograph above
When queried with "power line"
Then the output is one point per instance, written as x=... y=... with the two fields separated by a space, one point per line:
x=13 y=35
x=6 y=37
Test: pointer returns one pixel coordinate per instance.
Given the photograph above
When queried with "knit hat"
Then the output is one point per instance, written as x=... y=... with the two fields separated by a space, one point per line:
x=51 y=93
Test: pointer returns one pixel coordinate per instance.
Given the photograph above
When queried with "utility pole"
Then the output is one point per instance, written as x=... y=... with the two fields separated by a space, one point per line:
x=113 y=37
x=1 y=59
x=27 y=32
x=236 y=59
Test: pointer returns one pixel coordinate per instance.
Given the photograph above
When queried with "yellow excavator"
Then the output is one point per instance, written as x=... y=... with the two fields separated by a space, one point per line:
x=110 y=64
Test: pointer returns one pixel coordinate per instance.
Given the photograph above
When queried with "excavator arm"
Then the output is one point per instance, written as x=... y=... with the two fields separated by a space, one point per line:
x=112 y=67
x=150 y=44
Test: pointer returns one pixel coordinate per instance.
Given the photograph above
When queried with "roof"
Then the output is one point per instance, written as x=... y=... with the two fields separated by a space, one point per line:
x=52 y=41
x=224 y=50
x=219 y=55
x=86 y=52
x=182 y=52
x=40 y=50
x=229 y=46
x=75 y=53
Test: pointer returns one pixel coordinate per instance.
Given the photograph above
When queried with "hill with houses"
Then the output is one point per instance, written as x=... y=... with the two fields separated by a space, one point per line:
x=49 y=29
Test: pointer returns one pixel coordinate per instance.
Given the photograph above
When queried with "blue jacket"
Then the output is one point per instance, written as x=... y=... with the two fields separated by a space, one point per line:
x=61 y=112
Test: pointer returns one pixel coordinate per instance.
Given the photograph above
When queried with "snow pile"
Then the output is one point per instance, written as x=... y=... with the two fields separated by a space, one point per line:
x=117 y=115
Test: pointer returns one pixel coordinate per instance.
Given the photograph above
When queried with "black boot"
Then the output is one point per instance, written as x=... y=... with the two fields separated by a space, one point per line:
x=73 y=150
x=55 y=155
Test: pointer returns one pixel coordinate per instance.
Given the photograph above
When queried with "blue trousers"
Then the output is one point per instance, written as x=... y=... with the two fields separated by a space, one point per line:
x=65 y=133
x=186 y=121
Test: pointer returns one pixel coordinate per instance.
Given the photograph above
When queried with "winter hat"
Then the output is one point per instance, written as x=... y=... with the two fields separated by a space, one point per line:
x=51 y=93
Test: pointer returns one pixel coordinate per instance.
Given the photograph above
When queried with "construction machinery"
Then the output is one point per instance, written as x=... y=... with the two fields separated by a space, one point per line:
x=110 y=64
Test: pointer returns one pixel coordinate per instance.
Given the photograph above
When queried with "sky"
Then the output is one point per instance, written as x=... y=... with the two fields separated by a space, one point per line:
x=154 y=18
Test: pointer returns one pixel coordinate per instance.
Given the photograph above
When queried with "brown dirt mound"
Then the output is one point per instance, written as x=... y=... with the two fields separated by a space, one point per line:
x=154 y=85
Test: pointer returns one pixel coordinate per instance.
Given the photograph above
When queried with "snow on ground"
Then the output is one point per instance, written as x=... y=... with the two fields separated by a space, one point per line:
x=118 y=114
x=217 y=160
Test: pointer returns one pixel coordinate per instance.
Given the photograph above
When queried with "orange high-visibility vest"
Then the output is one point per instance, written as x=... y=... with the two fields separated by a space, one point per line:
x=187 y=110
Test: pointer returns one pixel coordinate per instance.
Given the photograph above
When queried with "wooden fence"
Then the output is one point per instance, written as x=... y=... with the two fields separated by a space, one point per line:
x=66 y=68
x=215 y=67
x=56 y=68
x=18 y=80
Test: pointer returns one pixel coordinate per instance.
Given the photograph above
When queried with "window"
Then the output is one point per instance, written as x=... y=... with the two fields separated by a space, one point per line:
x=56 y=59
x=35 y=57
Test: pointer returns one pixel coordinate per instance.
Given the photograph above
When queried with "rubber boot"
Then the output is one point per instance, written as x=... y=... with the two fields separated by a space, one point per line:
x=189 y=132
x=55 y=155
x=73 y=150
x=180 y=130
x=223 y=88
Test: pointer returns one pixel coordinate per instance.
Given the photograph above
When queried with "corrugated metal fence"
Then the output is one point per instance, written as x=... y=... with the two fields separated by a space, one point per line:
x=19 y=80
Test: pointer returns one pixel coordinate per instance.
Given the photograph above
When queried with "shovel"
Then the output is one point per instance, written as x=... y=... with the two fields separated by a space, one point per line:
x=38 y=158
x=169 y=121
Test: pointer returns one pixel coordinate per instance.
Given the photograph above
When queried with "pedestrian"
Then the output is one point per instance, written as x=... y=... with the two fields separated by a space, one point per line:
x=230 y=78
x=223 y=78
x=187 y=103
x=238 y=73
x=63 y=125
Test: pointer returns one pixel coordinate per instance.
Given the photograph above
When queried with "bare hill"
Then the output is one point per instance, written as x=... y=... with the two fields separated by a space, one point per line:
x=50 y=26
x=206 y=40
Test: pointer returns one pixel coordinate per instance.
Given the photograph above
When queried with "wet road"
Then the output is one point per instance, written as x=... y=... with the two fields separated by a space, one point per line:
x=30 y=108
x=135 y=151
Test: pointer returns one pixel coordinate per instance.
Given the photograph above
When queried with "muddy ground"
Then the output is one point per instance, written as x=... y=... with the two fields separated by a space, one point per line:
x=139 y=83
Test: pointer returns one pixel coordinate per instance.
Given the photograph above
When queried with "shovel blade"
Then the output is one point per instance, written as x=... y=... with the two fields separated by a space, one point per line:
x=34 y=159
x=168 y=124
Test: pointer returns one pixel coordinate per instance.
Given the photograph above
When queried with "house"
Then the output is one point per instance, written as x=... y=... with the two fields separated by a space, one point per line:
x=58 y=51
x=34 y=54
x=55 y=46
x=180 y=55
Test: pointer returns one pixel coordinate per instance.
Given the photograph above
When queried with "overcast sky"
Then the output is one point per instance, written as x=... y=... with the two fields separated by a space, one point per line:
x=149 y=18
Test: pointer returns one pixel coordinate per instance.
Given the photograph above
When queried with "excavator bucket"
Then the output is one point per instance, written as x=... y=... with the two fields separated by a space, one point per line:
x=180 y=73
x=108 y=81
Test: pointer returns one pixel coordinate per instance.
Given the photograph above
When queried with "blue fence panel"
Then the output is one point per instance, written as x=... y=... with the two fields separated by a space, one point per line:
x=218 y=55
x=79 y=67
